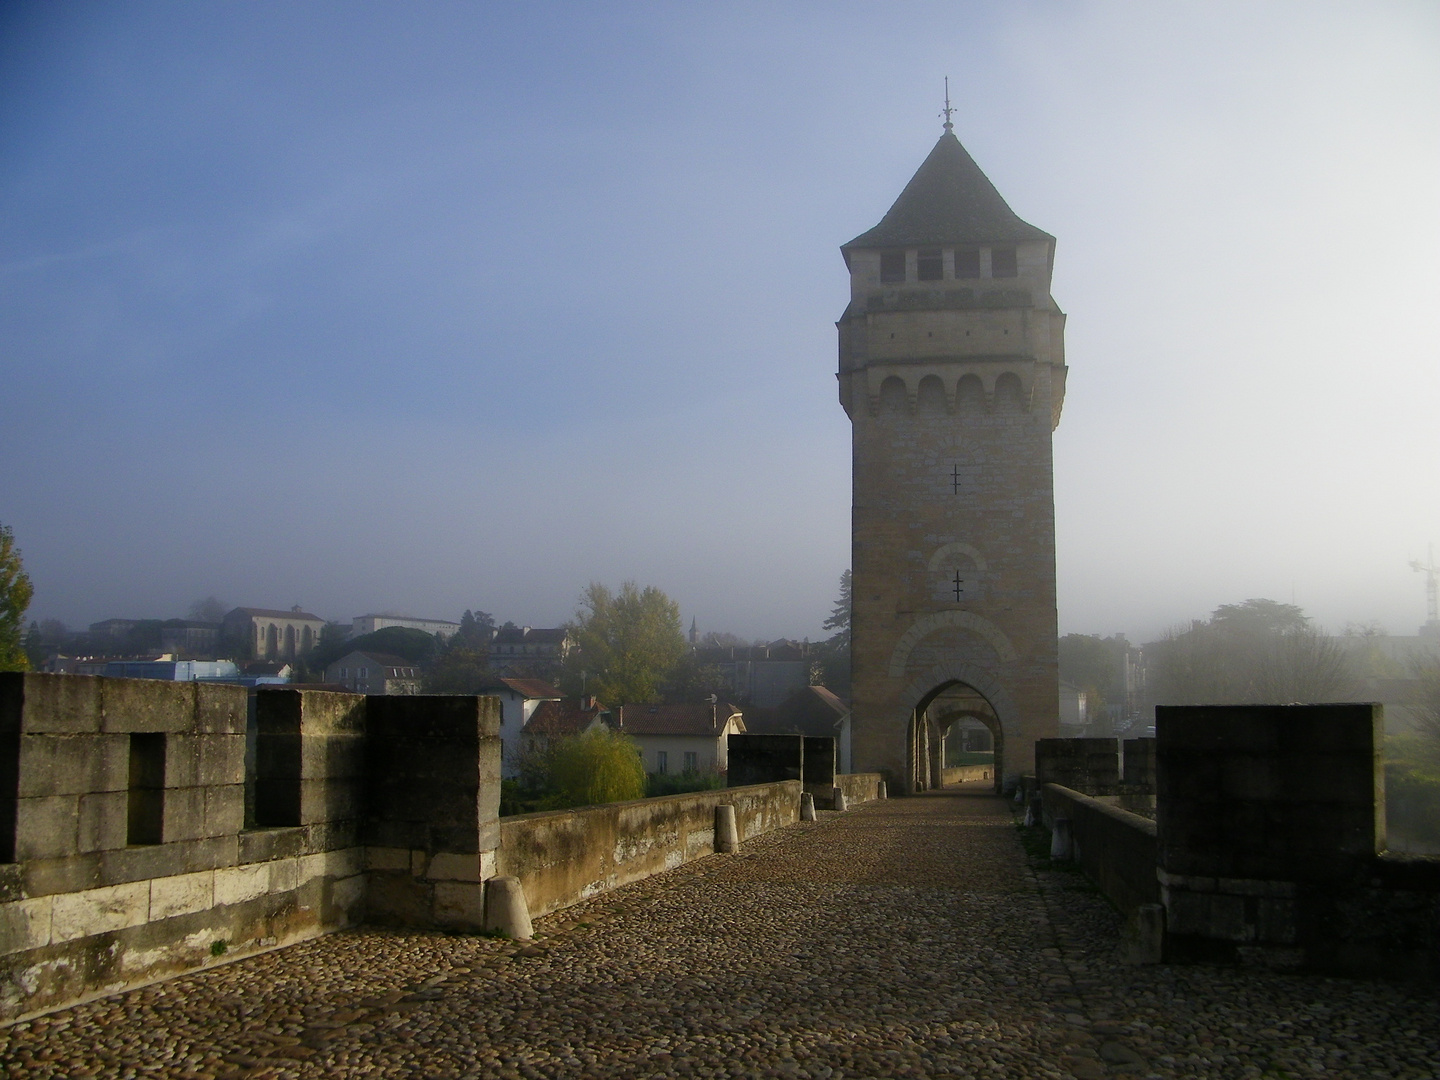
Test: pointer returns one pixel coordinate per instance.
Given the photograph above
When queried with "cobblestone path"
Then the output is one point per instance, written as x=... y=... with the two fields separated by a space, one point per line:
x=906 y=938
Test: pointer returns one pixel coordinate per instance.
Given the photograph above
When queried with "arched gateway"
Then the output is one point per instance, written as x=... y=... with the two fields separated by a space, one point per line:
x=952 y=371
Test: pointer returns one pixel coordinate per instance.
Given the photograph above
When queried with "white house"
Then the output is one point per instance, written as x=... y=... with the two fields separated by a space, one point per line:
x=518 y=700
x=368 y=624
x=681 y=738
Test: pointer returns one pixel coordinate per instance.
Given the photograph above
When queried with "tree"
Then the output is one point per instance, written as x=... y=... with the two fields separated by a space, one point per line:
x=460 y=670
x=208 y=610
x=833 y=654
x=599 y=766
x=629 y=642
x=476 y=629
x=1425 y=700
x=1260 y=652
x=15 y=594
x=839 y=619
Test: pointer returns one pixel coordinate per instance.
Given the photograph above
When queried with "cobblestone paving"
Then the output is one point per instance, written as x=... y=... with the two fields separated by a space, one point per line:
x=904 y=938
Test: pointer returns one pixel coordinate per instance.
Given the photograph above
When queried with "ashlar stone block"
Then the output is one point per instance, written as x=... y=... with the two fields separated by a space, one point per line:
x=239 y=884
x=47 y=828
x=99 y=911
x=66 y=764
x=25 y=924
x=103 y=821
x=181 y=894
x=147 y=705
x=37 y=702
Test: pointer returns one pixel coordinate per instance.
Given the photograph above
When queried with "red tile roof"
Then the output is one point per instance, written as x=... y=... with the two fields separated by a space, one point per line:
x=560 y=718
x=527 y=688
x=676 y=719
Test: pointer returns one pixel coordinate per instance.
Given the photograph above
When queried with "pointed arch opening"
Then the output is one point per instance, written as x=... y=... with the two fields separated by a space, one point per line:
x=939 y=718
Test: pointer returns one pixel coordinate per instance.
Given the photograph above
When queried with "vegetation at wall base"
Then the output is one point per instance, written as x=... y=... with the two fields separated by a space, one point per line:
x=1412 y=793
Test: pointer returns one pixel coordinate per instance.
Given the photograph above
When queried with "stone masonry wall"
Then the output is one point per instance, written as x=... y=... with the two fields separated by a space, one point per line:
x=764 y=759
x=1271 y=832
x=1089 y=766
x=129 y=858
x=565 y=856
x=432 y=808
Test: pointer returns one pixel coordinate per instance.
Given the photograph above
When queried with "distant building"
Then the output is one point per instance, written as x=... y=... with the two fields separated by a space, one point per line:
x=368 y=624
x=186 y=637
x=171 y=670
x=681 y=738
x=363 y=672
x=763 y=675
x=519 y=698
x=1073 y=711
x=271 y=634
x=265 y=673
x=113 y=628
x=527 y=651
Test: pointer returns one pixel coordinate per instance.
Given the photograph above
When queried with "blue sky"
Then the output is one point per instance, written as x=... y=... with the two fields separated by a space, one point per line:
x=431 y=306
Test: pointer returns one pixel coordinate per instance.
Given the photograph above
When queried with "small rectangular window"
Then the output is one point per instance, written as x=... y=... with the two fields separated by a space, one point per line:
x=146 y=805
x=690 y=764
x=1002 y=262
x=931 y=265
x=892 y=266
x=662 y=761
x=967 y=263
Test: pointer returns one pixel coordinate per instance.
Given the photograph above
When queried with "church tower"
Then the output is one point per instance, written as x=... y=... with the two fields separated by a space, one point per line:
x=952 y=371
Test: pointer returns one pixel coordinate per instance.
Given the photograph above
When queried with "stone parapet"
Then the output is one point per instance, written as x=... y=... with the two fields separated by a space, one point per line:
x=565 y=856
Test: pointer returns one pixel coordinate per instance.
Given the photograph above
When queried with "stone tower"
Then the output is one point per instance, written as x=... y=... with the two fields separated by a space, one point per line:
x=952 y=371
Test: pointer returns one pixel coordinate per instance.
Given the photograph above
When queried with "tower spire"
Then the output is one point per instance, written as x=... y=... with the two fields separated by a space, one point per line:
x=945 y=112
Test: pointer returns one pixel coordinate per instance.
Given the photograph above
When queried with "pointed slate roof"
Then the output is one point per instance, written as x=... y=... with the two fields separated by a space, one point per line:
x=948 y=201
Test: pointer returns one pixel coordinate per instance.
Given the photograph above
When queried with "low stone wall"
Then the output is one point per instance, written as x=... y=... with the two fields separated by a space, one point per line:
x=1114 y=847
x=565 y=856
x=965 y=774
x=1088 y=765
x=860 y=787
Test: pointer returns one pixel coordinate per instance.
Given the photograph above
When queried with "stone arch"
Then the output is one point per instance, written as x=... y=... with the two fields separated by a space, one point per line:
x=946 y=554
x=1009 y=393
x=894 y=398
x=930 y=398
x=970 y=395
x=925 y=688
x=947 y=721
x=940 y=620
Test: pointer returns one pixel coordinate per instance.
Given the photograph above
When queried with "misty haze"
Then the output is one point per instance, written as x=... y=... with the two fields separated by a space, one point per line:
x=717 y=540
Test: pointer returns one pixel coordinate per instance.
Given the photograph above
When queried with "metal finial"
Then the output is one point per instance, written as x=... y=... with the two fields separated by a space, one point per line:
x=945 y=112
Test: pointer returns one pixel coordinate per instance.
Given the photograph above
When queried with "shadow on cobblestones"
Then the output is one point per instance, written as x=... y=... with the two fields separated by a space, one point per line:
x=912 y=937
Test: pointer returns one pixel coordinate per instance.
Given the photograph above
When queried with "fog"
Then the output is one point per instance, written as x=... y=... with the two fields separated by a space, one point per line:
x=378 y=307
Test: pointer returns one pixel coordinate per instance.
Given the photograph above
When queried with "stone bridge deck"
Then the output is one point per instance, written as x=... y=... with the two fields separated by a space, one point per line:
x=905 y=938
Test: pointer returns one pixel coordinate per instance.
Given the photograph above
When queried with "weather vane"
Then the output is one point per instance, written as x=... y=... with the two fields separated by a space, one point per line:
x=945 y=112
